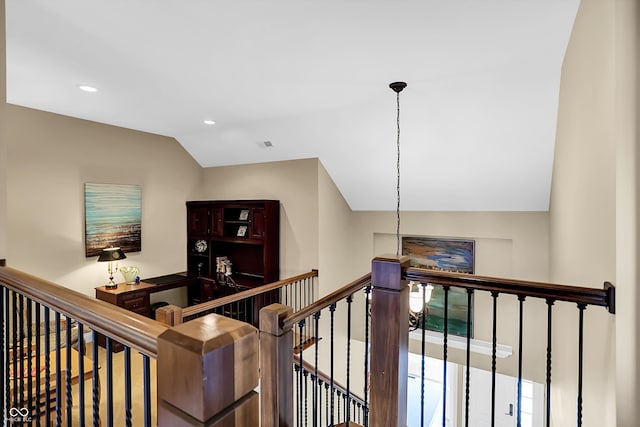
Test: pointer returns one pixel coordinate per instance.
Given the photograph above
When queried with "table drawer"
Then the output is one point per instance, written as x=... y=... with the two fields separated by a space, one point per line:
x=138 y=302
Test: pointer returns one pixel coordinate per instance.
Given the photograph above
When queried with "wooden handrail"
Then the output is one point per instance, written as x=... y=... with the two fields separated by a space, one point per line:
x=582 y=295
x=134 y=330
x=326 y=301
x=219 y=302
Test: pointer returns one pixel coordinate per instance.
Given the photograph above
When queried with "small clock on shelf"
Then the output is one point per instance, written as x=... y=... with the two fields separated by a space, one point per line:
x=200 y=246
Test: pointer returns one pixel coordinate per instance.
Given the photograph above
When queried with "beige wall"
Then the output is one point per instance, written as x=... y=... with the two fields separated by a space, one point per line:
x=507 y=245
x=3 y=127
x=627 y=112
x=295 y=184
x=50 y=159
x=593 y=210
x=336 y=250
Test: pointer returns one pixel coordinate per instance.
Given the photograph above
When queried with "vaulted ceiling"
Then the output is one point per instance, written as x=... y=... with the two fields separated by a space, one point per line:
x=477 y=119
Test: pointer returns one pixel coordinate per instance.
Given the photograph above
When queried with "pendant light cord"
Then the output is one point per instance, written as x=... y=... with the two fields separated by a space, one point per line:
x=398 y=177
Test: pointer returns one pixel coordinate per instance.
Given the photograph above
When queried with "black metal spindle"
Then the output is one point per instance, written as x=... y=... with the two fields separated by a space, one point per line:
x=95 y=385
x=38 y=385
x=81 y=373
x=14 y=346
x=296 y=384
x=332 y=310
x=306 y=399
x=327 y=417
x=494 y=344
x=300 y=378
x=549 y=336
x=367 y=316
x=30 y=354
x=19 y=373
x=581 y=308
x=339 y=396
x=4 y=392
x=47 y=367
x=109 y=357
x=423 y=351
x=521 y=299
x=316 y=407
x=348 y=394
x=445 y=288
x=468 y=367
x=127 y=385
x=58 y=362
x=67 y=381
x=146 y=379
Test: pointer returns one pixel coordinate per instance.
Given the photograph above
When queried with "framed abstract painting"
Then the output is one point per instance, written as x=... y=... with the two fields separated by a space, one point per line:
x=448 y=255
x=112 y=217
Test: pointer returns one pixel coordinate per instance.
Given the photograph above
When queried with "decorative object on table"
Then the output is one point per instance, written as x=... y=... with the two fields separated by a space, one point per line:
x=456 y=255
x=131 y=274
x=113 y=217
x=223 y=265
x=200 y=246
x=112 y=256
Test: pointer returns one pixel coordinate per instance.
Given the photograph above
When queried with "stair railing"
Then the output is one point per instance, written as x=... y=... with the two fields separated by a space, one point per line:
x=292 y=396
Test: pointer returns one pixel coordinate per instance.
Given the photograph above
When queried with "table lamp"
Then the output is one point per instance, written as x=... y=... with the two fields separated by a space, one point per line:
x=111 y=255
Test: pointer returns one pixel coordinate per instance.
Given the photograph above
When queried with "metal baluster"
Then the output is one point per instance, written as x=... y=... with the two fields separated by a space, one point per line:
x=332 y=310
x=549 y=335
x=423 y=328
x=20 y=346
x=30 y=355
x=348 y=394
x=521 y=299
x=327 y=417
x=14 y=340
x=445 y=288
x=316 y=407
x=494 y=295
x=296 y=383
x=95 y=384
x=300 y=388
x=146 y=378
x=109 y=354
x=58 y=369
x=4 y=381
x=127 y=385
x=319 y=406
x=306 y=399
x=81 y=373
x=38 y=385
x=339 y=395
x=68 y=370
x=581 y=308
x=367 y=317
x=47 y=367
x=467 y=380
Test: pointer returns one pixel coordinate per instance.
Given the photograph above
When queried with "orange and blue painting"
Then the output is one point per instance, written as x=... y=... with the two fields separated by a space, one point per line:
x=112 y=217
x=448 y=255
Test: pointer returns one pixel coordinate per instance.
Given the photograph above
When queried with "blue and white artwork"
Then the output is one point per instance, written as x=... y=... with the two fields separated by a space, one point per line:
x=113 y=217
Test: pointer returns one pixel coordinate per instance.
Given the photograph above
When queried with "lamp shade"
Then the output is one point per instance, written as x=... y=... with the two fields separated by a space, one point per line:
x=419 y=296
x=111 y=254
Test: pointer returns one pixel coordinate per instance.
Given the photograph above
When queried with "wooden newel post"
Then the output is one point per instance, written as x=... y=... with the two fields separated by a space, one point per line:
x=207 y=371
x=276 y=367
x=389 y=343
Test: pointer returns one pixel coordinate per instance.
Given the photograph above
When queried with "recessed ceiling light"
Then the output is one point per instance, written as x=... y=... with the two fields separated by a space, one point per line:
x=86 y=88
x=209 y=122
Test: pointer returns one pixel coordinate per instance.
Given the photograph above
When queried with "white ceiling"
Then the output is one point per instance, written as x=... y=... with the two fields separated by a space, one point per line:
x=478 y=116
